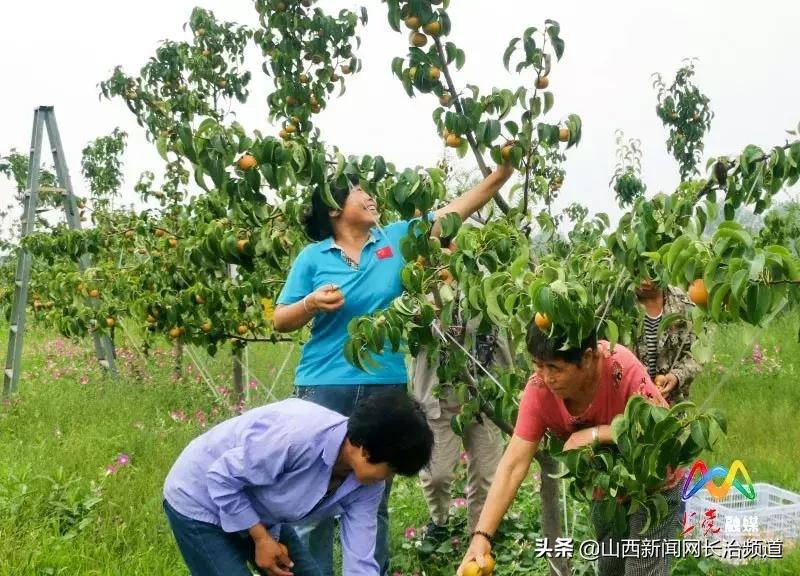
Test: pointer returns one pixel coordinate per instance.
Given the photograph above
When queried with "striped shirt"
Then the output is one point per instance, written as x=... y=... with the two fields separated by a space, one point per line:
x=651 y=337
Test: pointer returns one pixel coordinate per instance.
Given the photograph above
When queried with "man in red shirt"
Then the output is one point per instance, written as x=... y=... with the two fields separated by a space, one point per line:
x=575 y=394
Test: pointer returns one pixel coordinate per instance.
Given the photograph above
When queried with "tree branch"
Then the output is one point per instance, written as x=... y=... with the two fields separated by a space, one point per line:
x=273 y=339
x=712 y=182
x=473 y=144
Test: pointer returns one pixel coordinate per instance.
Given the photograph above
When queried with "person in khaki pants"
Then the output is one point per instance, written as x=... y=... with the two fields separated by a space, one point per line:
x=482 y=441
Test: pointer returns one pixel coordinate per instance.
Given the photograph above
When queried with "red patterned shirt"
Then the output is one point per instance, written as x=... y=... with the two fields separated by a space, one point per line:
x=622 y=376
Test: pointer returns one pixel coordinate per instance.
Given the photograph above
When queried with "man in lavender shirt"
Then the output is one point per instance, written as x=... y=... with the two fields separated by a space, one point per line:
x=235 y=493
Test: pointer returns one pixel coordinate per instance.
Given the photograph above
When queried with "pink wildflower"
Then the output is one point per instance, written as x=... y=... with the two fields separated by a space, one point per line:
x=177 y=415
x=757 y=355
x=411 y=533
x=123 y=460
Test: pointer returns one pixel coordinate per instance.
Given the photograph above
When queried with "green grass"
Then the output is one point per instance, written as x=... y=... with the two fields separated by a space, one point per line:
x=60 y=513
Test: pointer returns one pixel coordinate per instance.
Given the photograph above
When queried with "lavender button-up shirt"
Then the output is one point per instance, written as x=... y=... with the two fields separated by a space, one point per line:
x=272 y=465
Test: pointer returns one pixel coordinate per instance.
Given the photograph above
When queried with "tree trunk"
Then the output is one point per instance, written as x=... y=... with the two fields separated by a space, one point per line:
x=238 y=375
x=551 y=518
x=177 y=357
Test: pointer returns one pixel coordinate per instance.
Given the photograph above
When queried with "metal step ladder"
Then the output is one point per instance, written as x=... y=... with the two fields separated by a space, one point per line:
x=44 y=118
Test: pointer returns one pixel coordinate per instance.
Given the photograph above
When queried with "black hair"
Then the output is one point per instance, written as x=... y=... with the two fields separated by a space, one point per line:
x=317 y=220
x=392 y=427
x=543 y=347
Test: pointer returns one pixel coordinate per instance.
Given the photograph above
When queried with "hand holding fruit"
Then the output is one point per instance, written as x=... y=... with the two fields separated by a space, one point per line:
x=506 y=169
x=325 y=299
x=666 y=383
x=478 y=561
x=273 y=557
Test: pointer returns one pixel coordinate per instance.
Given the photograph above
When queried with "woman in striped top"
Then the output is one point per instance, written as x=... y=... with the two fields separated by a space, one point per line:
x=668 y=355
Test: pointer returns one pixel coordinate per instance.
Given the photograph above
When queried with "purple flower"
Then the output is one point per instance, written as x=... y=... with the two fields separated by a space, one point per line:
x=123 y=460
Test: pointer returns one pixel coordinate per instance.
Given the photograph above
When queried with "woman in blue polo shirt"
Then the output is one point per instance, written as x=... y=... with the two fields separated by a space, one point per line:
x=352 y=269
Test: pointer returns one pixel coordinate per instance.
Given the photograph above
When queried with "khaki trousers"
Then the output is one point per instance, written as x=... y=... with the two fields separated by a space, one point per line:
x=483 y=444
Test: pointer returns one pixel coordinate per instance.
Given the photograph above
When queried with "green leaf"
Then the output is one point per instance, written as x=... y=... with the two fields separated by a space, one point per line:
x=493 y=131
x=161 y=148
x=698 y=433
x=397 y=67
x=512 y=46
x=722 y=422
x=460 y=59
x=394 y=16
x=327 y=197
x=480 y=133
x=757 y=265
x=668 y=320
x=536 y=109
x=379 y=169
x=739 y=283
x=612 y=332
x=450 y=224
x=450 y=49
x=558 y=47
x=548 y=101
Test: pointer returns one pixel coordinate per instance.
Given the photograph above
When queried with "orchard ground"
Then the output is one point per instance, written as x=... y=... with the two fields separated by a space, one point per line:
x=84 y=457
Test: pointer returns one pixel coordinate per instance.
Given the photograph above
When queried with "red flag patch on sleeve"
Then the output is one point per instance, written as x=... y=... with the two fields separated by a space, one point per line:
x=385 y=252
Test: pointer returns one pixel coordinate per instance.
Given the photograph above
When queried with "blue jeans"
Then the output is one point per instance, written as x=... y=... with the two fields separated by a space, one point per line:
x=210 y=551
x=319 y=537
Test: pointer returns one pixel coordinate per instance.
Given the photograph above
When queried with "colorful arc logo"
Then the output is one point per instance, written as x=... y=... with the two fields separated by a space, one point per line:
x=708 y=477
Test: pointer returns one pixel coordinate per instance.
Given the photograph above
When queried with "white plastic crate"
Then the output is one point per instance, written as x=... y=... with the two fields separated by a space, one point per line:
x=777 y=511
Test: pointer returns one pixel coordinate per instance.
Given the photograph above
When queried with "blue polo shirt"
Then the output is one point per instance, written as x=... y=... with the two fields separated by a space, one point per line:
x=371 y=287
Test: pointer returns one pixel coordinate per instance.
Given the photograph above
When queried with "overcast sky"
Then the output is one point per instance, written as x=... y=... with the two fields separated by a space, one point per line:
x=56 y=53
